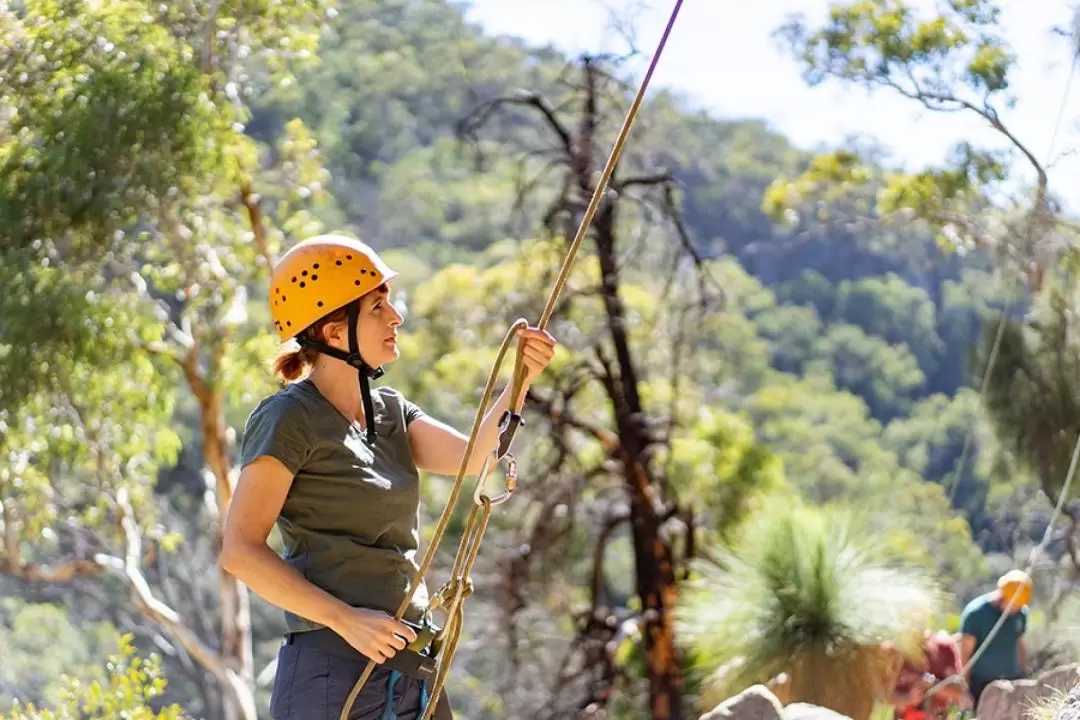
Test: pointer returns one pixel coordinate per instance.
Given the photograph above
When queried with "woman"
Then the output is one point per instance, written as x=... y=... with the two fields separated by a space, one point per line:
x=334 y=463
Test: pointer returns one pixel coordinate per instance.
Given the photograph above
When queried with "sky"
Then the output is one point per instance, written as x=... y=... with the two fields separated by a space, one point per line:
x=720 y=56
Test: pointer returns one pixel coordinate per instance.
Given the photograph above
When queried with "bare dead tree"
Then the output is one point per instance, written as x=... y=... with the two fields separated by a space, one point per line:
x=568 y=143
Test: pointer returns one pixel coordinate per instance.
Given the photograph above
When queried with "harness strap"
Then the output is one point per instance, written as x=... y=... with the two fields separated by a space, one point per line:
x=352 y=358
x=388 y=711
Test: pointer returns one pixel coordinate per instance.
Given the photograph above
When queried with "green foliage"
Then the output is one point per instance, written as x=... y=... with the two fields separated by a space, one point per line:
x=951 y=61
x=810 y=593
x=71 y=69
x=834 y=372
x=1034 y=403
x=42 y=645
x=130 y=689
x=884 y=42
x=716 y=461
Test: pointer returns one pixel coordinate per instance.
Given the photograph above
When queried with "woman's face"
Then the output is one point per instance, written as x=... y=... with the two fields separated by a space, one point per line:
x=376 y=329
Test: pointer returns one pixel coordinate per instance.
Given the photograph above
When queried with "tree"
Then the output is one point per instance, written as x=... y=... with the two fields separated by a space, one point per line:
x=952 y=61
x=997 y=202
x=132 y=685
x=129 y=256
x=1034 y=402
x=611 y=412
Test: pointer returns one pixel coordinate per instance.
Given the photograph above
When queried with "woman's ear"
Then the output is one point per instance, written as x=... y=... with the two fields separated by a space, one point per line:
x=334 y=333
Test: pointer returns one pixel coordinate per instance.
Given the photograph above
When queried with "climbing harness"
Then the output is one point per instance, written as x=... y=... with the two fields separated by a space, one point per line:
x=451 y=597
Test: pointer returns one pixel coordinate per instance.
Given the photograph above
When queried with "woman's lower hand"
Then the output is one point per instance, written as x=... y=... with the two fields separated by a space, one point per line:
x=373 y=633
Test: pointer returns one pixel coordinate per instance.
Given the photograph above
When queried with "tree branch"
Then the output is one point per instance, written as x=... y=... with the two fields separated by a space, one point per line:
x=987 y=112
x=129 y=569
x=608 y=439
x=49 y=574
x=470 y=126
x=251 y=202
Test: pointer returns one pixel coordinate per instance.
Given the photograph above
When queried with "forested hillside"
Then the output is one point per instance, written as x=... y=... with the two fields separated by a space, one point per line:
x=835 y=362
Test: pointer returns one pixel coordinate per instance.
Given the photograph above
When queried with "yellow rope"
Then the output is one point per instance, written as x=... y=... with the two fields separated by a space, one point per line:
x=469 y=548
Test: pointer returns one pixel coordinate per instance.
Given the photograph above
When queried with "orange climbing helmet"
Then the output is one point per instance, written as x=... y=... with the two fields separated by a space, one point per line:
x=320 y=275
x=316 y=277
x=1015 y=588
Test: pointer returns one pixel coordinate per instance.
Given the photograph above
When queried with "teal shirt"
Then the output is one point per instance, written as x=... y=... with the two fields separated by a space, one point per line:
x=350 y=521
x=1001 y=660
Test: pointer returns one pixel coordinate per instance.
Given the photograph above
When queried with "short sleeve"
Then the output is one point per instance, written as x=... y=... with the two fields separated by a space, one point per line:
x=970 y=623
x=411 y=410
x=279 y=429
x=1021 y=621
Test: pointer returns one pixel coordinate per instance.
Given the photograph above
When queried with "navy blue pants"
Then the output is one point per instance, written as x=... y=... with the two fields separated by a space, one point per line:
x=311 y=684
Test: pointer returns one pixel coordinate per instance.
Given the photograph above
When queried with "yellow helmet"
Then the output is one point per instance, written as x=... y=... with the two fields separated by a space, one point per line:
x=320 y=275
x=1015 y=587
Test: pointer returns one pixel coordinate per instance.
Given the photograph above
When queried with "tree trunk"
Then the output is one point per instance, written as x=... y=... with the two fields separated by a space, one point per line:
x=655 y=574
x=235 y=611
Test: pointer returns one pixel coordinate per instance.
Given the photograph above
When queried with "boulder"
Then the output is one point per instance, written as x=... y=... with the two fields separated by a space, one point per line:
x=1011 y=699
x=753 y=703
x=1070 y=709
x=806 y=711
x=758 y=703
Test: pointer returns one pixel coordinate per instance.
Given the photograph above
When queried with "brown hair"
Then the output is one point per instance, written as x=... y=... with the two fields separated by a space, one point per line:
x=295 y=363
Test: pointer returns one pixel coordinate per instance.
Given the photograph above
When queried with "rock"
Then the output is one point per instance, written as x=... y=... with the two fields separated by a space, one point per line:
x=806 y=711
x=1070 y=709
x=753 y=703
x=1011 y=699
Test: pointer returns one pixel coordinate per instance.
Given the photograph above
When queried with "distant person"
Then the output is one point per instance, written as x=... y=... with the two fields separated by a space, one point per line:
x=1005 y=656
x=939 y=660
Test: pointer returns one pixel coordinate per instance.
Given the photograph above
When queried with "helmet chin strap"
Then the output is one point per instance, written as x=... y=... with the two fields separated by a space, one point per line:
x=353 y=358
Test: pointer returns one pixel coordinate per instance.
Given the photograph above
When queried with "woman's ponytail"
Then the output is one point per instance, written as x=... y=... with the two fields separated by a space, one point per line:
x=294 y=363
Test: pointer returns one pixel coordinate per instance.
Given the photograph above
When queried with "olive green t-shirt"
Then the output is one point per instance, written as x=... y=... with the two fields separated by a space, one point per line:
x=350 y=522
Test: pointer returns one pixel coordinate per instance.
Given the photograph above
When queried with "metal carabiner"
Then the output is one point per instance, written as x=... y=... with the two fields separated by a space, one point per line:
x=510 y=471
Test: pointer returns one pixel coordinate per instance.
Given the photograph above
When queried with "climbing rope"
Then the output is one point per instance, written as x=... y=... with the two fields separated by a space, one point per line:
x=961 y=675
x=451 y=597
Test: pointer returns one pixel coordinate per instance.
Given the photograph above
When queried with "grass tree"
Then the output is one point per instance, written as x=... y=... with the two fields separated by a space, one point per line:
x=804 y=592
